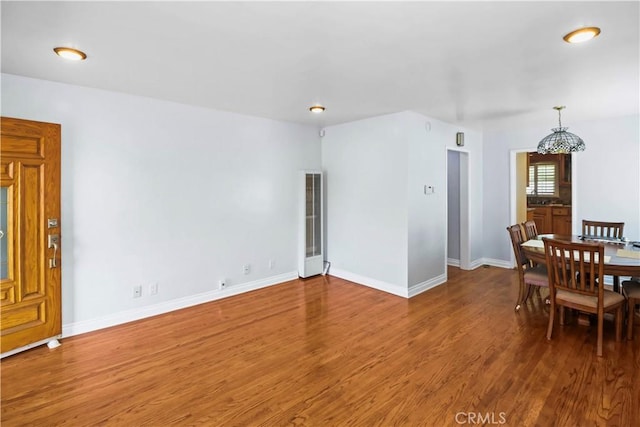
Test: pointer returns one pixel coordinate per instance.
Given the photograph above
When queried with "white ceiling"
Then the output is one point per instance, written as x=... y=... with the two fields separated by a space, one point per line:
x=475 y=63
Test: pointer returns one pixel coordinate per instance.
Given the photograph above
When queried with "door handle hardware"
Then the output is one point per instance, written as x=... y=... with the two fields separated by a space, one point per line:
x=52 y=242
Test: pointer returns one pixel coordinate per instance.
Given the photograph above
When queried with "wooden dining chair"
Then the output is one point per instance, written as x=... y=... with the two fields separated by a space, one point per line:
x=528 y=274
x=631 y=289
x=567 y=289
x=611 y=230
x=530 y=229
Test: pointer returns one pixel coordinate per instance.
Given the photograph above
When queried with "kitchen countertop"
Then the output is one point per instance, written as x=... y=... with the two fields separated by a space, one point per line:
x=550 y=205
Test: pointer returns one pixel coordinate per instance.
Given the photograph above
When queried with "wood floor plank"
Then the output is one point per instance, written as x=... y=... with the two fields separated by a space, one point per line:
x=327 y=352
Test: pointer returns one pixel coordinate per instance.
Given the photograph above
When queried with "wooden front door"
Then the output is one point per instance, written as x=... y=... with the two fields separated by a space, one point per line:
x=30 y=297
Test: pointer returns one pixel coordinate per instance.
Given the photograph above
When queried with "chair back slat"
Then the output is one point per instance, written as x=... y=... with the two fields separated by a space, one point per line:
x=517 y=238
x=575 y=267
x=611 y=230
x=530 y=229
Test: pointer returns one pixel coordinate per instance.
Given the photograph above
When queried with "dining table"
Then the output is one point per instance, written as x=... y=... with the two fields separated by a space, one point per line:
x=622 y=257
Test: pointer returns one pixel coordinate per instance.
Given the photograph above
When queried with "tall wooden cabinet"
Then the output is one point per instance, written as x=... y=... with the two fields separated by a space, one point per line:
x=310 y=232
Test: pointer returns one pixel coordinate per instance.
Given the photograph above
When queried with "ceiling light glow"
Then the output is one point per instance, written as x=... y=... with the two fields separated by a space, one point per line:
x=582 y=35
x=70 y=53
x=316 y=108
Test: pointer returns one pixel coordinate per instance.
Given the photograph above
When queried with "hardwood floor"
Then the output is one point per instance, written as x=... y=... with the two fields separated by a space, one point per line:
x=327 y=352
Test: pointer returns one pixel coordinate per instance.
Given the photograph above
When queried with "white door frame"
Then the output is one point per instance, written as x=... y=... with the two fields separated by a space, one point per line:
x=513 y=196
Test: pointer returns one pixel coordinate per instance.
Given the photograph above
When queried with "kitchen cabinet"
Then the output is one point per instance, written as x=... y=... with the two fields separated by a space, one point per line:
x=530 y=214
x=564 y=169
x=551 y=219
x=543 y=220
x=561 y=221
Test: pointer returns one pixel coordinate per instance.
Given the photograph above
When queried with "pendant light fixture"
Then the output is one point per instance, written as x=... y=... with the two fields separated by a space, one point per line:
x=560 y=141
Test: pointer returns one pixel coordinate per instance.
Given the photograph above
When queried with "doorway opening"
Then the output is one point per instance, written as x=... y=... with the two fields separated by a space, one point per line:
x=458 y=246
x=542 y=190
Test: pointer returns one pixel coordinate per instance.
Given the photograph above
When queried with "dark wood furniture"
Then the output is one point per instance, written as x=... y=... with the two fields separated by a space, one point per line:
x=530 y=229
x=575 y=271
x=632 y=291
x=528 y=273
x=607 y=230
x=612 y=230
x=616 y=266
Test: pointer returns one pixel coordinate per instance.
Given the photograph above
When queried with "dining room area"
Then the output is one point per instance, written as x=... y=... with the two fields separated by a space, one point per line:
x=589 y=279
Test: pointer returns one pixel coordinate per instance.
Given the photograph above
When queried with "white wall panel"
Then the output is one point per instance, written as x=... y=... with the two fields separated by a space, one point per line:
x=366 y=175
x=380 y=223
x=154 y=191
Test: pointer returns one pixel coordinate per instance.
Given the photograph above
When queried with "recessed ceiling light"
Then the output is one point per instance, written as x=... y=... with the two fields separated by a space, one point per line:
x=582 y=35
x=70 y=53
x=316 y=108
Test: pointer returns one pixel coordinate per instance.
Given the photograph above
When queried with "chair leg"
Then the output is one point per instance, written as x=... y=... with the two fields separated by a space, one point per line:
x=552 y=313
x=619 y=314
x=630 y=318
x=519 y=302
x=599 y=339
x=562 y=310
x=527 y=293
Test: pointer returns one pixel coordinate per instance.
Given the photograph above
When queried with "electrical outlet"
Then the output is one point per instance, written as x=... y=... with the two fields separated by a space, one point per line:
x=137 y=291
x=222 y=283
x=246 y=268
x=272 y=263
x=153 y=289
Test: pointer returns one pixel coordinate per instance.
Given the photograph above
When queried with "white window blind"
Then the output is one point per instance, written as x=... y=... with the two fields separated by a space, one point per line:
x=543 y=179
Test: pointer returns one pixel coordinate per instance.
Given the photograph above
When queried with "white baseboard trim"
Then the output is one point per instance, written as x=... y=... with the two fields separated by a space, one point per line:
x=472 y=265
x=388 y=287
x=477 y=263
x=369 y=282
x=497 y=263
x=107 y=321
x=425 y=286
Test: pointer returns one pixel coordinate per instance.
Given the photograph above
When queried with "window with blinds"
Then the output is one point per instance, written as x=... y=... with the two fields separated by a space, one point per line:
x=543 y=180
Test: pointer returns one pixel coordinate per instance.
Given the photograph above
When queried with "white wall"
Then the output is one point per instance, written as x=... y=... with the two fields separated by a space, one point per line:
x=382 y=230
x=427 y=212
x=366 y=204
x=154 y=191
x=606 y=177
x=159 y=192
